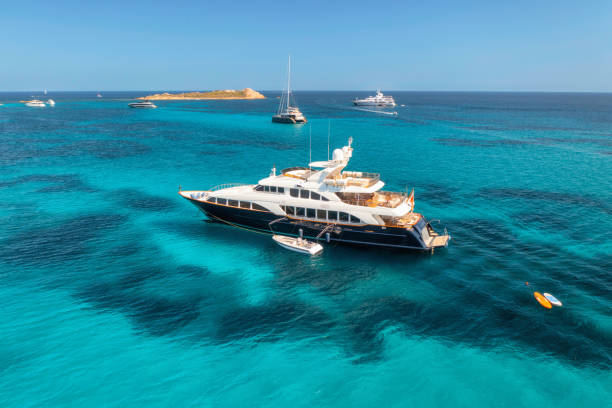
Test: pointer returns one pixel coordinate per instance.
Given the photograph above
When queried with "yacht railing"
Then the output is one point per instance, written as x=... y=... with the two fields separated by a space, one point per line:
x=227 y=185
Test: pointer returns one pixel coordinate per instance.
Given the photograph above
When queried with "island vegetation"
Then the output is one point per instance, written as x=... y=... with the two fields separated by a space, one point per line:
x=246 y=93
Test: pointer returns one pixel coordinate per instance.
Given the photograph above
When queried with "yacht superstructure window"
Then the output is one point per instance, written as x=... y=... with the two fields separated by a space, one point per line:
x=258 y=207
x=245 y=204
x=212 y=200
x=273 y=189
x=311 y=213
x=259 y=187
x=300 y=212
x=324 y=199
x=280 y=190
x=266 y=189
x=305 y=194
x=344 y=217
x=332 y=215
x=355 y=219
x=322 y=214
x=294 y=192
x=315 y=196
x=289 y=210
x=233 y=203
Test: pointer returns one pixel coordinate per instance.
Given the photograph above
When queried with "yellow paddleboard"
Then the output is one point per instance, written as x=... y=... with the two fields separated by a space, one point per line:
x=542 y=300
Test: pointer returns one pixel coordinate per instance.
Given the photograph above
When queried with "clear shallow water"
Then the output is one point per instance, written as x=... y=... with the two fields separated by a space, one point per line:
x=115 y=292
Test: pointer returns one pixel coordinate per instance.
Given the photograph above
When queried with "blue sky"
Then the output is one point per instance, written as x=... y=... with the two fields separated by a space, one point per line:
x=400 y=45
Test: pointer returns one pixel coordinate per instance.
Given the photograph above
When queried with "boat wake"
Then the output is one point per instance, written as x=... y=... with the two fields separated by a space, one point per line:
x=377 y=111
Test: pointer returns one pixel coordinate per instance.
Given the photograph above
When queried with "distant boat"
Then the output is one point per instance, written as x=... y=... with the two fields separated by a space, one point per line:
x=45 y=91
x=35 y=103
x=142 y=104
x=51 y=102
x=99 y=95
x=378 y=100
x=287 y=113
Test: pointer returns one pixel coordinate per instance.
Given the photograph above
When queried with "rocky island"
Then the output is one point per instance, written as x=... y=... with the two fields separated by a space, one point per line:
x=246 y=93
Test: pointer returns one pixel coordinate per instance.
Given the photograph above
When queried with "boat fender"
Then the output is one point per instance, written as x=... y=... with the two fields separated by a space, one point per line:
x=301 y=232
x=327 y=237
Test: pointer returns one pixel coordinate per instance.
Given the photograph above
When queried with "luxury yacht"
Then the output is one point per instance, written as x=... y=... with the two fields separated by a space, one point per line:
x=287 y=113
x=378 y=100
x=35 y=103
x=142 y=104
x=323 y=202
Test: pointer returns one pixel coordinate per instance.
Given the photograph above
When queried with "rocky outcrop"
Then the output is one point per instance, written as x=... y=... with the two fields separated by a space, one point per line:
x=246 y=93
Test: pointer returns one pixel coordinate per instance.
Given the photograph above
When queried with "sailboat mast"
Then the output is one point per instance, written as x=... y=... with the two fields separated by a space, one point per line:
x=289 y=82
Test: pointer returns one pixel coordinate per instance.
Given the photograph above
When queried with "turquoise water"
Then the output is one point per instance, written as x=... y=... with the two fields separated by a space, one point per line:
x=116 y=292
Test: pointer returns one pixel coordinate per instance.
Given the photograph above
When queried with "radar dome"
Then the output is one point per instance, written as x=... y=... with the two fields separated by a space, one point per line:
x=338 y=154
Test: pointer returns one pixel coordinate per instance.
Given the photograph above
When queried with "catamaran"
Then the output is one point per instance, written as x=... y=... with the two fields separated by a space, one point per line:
x=287 y=113
x=325 y=203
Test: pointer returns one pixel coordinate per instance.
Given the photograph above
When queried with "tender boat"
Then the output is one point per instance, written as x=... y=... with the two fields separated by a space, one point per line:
x=35 y=103
x=298 y=245
x=142 y=104
x=378 y=100
x=51 y=102
x=287 y=113
x=323 y=202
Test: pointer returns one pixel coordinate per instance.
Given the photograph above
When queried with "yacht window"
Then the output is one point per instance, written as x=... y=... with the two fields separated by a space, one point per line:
x=332 y=215
x=245 y=204
x=212 y=200
x=355 y=219
x=289 y=210
x=344 y=216
x=321 y=214
x=221 y=201
x=267 y=189
x=294 y=192
x=299 y=211
x=281 y=190
x=259 y=187
x=311 y=213
x=304 y=194
x=258 y=207
x=233 y=203
x=272 y=189
x=324 y=199
x=315 y=196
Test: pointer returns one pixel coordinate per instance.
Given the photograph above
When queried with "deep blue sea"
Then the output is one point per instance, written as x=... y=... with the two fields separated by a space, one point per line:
x=116 y=292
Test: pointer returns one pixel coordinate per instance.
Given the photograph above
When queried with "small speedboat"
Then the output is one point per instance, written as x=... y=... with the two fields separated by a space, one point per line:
x=51 y=102
x=142 y=104
x=298 y=245
x=35 y=103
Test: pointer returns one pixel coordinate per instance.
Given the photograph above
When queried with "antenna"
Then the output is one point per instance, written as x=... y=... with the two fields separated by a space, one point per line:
x=289 y=82
x=310 y=147
x=328 y=133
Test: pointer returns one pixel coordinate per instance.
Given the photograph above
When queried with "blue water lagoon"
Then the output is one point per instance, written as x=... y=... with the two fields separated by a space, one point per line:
x=118 y=292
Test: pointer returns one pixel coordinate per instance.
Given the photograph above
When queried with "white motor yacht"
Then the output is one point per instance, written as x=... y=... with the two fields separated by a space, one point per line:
x=378 y=100
x=322 y=202
x=51 y=102
x=142 y=104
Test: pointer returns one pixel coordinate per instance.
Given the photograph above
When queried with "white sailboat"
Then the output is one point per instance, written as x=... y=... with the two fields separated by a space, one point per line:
x=287 y=113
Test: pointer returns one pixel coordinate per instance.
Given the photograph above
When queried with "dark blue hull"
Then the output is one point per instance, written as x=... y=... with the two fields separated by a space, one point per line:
x=340 y=233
